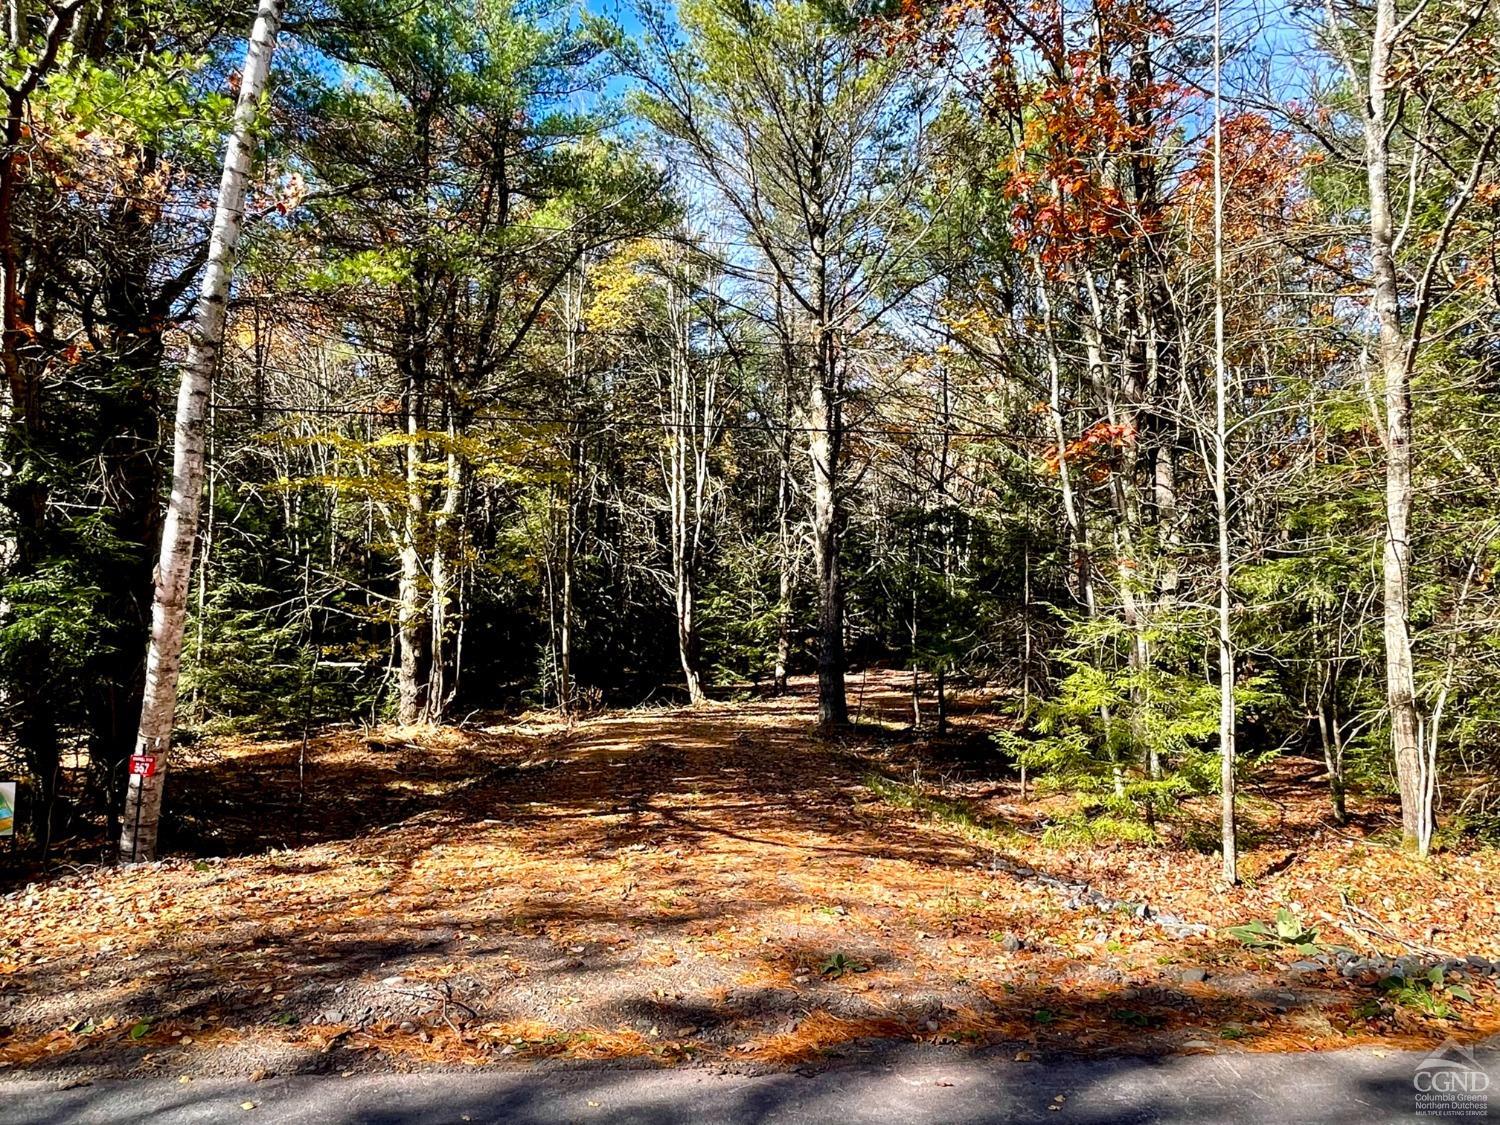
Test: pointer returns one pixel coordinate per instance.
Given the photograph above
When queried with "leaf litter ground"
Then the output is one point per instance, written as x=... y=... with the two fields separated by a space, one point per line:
x=713 y=886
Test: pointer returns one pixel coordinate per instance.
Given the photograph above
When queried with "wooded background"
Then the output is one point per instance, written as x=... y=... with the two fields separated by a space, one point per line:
x=1140 y=358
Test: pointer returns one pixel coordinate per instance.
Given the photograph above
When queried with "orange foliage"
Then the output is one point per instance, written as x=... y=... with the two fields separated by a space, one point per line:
x=1093 y=450
x=1263 y=168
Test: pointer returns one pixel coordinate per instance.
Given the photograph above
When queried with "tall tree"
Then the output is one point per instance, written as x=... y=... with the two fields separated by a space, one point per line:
x=179 y=533
x=113 y=151
x=1428 y=129
x=1228 y=833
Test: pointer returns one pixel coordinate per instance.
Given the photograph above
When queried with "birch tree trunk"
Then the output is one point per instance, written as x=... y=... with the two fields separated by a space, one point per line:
x=689 y=415
x=169 y=604
x=1401 y=688
x=1229 y=836
x=413 y=606
x=447 y=534
x=784 y=563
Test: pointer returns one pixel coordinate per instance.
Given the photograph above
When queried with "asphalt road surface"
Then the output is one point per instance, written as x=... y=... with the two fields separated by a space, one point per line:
x=1357 y=1087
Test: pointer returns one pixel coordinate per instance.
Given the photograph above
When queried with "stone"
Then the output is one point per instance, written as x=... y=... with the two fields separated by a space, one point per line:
x=1010 y=943
x=1194 y=976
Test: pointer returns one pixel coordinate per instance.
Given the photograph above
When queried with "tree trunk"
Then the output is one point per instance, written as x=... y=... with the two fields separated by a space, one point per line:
x=413 y=605
x=1333 y=758
x=785 y=559
x=824 y=441
x=786 y=581
x=413 y=634
x=1401 y=689
x=688 y=416
x=446 y=531
x=565 y=616
x=1229 y=836
x=169 y=604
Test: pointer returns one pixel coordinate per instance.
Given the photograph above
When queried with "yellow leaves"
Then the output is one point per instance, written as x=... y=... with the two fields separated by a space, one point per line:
x=623 y=284
x=618 y=285
x=243 y=333
x=976 y=320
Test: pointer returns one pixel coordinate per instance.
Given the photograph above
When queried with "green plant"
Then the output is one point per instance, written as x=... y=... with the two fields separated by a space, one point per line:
x=840 y=964
x=1431 y=995
x=1286 y=931
x=1132 y=738
x=1089 y=826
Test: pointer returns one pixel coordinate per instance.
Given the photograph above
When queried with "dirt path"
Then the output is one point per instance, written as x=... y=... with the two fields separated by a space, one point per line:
x=667 y=886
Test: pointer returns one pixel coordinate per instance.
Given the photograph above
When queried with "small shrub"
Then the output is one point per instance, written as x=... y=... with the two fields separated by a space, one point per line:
x=840 y=964
x=1287 y=931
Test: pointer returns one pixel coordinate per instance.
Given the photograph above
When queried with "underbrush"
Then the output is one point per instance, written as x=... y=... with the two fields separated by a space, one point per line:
x=951 y=814
x=1087 y=826
x=1084 y=820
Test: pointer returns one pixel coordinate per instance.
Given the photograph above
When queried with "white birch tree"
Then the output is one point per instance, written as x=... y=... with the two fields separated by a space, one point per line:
x=1395 y=63
x=174 y=569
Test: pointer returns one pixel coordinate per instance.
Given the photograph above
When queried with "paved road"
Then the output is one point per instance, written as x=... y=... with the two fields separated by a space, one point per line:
x=1354 y=1087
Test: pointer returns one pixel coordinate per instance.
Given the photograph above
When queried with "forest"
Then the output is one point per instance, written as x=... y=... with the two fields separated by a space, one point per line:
x=1081 y=412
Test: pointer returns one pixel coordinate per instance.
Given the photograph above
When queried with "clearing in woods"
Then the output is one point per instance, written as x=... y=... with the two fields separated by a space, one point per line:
x=717 y=885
